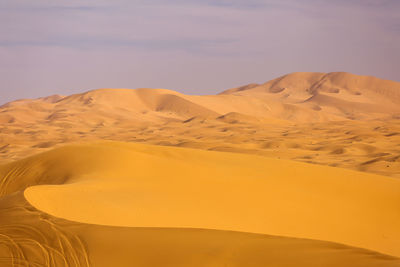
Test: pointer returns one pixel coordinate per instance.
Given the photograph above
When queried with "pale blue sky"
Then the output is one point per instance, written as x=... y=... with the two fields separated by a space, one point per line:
x=192 y=46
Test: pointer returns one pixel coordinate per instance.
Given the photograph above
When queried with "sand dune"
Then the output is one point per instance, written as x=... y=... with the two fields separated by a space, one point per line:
x=117 y=184
x=31 y=236
x=297 y=97
x=72 y=196
x=300 y=97
x=327 y=128
x=340 y=94
x=303 y=85
x=100 y=182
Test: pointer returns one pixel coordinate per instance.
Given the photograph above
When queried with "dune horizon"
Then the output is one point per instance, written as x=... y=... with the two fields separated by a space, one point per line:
x=302 y=170
x=363 y=109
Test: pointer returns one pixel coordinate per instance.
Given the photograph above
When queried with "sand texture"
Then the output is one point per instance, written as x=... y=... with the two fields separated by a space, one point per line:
x=299 y=171
x=355 y=125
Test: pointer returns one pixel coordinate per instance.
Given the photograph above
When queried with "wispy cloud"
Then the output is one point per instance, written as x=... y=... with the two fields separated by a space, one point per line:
x=199 y=46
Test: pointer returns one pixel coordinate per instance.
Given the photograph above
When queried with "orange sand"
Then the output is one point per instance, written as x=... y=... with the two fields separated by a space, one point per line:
x=129 y=204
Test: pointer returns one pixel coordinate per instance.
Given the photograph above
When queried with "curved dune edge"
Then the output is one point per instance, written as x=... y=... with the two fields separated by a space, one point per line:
x=28 y=235
x=136 y=185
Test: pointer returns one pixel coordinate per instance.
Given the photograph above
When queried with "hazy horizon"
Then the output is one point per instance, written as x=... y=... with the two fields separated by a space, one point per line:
x=194 y=47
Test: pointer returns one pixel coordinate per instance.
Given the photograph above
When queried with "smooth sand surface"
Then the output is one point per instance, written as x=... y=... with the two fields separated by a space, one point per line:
x=30 y=236
x=170 y=192
x=134 y=185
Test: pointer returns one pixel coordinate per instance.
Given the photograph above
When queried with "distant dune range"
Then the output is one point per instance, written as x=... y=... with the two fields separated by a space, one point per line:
x=147 y=177
x=335 y=119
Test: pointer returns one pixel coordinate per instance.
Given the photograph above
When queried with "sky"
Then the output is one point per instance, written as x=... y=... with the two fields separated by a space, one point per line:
x=191 y=46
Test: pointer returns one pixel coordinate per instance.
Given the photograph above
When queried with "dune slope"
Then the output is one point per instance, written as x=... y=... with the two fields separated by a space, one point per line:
x=29 y=237
x=134 y=185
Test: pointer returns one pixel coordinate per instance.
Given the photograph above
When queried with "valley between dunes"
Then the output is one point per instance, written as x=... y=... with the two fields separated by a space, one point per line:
x=300 y=171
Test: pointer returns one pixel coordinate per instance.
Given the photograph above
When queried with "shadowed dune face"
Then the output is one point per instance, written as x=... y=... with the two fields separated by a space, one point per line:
x=30 y=236
x=145 y=205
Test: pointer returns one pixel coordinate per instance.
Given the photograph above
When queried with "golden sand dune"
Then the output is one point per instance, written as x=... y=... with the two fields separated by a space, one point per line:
x=30 y=236
x=301 y=97
x=335 y=119
x=304 y=86
x=87 y=200
x=151 y=199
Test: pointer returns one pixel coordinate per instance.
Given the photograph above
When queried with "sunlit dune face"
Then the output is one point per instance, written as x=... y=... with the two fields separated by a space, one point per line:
x=122 y=184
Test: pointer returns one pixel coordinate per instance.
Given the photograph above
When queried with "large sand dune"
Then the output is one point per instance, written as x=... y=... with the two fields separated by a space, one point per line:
x=164 y=191
x=72 y=196
x=30 y=237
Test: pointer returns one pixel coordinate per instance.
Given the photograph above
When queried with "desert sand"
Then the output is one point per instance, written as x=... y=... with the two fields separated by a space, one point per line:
x=300 y=171
x=335 y=119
